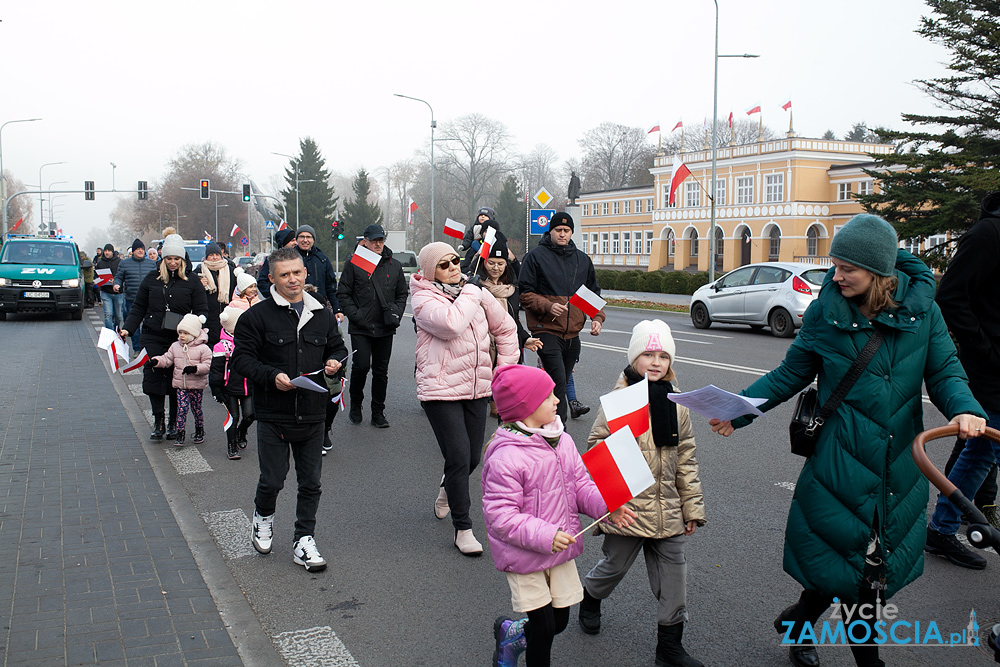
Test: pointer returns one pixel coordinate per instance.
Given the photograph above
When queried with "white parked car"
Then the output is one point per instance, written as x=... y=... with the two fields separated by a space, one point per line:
x=773 y=294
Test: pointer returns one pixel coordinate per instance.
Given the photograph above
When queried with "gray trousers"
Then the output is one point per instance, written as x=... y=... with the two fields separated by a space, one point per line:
x=665 y=565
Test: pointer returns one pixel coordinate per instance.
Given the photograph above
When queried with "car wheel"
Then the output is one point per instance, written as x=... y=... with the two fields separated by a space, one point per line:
x=699 y=316
x=781 y=324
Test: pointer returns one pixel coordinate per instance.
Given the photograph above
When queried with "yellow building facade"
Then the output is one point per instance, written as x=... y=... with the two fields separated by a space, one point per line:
x=780 y=200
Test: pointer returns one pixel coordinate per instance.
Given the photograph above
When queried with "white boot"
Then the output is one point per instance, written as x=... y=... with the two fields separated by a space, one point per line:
x=441 y=508
x=467 y=543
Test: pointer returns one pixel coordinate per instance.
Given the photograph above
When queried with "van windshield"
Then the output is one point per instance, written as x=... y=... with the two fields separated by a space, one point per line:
x=196 y=252
x=37 y=253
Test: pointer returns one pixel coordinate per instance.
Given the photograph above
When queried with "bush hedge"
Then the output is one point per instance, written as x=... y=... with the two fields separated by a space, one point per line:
x=664 y=282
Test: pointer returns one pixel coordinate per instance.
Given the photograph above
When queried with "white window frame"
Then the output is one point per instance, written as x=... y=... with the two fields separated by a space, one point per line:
x=649 y=205
x=593 y=243
x=692 y=194
x=586 y=238
x=649 y=243
x=615 y=208
x=912 y=246
x=586 y=209
x=615 y=244
x=666 y=196
x=604 y=243
x=626 y=242
x=720 y=192
x=744 y=190
x=843 y=191
x=774 y=188
x=866 y=187
x=671 y=242
x=628 y=207
x=604 y=208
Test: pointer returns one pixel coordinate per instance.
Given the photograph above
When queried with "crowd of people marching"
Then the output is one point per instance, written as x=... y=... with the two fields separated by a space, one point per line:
x=271 y=351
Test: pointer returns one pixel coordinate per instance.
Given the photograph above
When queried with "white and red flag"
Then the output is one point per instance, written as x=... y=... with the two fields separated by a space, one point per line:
x=753 y=108
x=410 y=210
x=228 y=422
x=489 y=238
x=339 y=398
x=678 y=126
x=787 y=105
x=282 y=225
x=730 y=120
x=16 y=225
x=628 y=407
x=208 y=237
x=587 y=301
x=365 y=259
x=236 y=228
x=109 y=340
x=618 y=468
x=680 y=173
x=103 y=277
x=654 y=128
x=139 y=361
x=454 y=229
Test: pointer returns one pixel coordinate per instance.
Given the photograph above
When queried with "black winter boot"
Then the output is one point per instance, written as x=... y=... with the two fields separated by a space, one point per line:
x=159 y=428
x=232 y=445
x=241 y=439
x=669 y=652
x=179 y=438
x=590 y=613
x=199 y=435
x=802 y=655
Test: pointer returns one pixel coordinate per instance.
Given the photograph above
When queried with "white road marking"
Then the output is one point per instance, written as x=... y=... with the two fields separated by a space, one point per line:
x=786 y=485
x=686 y=333
x=685 y=360
x=315 y=647
x=231 y=530
x=187 y=460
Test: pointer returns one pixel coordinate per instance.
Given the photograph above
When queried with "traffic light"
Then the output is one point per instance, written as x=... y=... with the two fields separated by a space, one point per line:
x=246 y=192
x=206 y=188
x=88 y=190
x=338 y=231
x=143 y=191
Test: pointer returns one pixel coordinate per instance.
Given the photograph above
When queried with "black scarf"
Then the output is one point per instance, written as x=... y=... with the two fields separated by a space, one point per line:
x=662 y=411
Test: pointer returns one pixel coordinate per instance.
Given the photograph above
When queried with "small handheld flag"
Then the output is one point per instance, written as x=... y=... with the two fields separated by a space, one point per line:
x=454 y=229
x=228 y=422
x=208 y=237
x=628 y=407
x=103 y=277
x=365 y=259
x=489 y=238
x=236 y=228
x=587 y=301
x=283 y=225
x=139 y=361
x=16 y=225
x=618 y=468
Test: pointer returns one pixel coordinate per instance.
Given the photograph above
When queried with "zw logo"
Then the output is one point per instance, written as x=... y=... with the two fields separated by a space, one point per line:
x=36 y=270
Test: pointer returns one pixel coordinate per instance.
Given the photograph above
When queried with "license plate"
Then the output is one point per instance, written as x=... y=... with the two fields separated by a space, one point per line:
x=36 y=295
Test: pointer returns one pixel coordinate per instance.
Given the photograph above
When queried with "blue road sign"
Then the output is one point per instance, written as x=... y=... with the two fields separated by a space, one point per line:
x=269 y=225
x=229 y=245
x=244 y=241
x=540 y=218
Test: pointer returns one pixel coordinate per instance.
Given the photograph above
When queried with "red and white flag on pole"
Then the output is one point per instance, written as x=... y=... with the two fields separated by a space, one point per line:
x=410 y=210
x=339 y=398
x=489 y=239
x=680 y=173
x=365 y=259
x=137 y=363
x=282 y=225
x=109 y=340
x=208 y=237
x=454 y=229
x=628 y=407
x=618 y=468
x=678 y=126
x=103 y=277
x=753 y=108
x=730 y=120
x=587 y=301
x=655 y=128
x=16 y=225
x=228 y=421
x=236 y=228
x=787 y=105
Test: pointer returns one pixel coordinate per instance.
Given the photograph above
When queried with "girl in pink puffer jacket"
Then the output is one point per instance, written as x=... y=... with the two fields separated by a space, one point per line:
x=534 y=488
x=192 y=359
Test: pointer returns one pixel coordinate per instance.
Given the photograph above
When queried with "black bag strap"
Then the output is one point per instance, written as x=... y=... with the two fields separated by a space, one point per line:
x=853 y=373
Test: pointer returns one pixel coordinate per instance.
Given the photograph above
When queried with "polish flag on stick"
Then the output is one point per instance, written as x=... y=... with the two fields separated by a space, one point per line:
x=228 y=422
x=753 y=108
x=628 y=407
x=139 y=362
x=208 y=237
x=655 y=128
x=283 y=225
x=410 y=210
x=587 y=301
x=489 y=238
x=680 y=173
x=16 y=225
x=365 y=259
x=618 y=468
x=236 y=228
x=103 y=277
x=454 y=229
x=339 y=398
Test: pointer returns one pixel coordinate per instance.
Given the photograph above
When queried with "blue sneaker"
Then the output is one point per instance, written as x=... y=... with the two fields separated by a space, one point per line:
x=510 y=641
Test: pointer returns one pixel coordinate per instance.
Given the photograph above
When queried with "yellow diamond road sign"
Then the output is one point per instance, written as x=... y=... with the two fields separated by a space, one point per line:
x=543 y=197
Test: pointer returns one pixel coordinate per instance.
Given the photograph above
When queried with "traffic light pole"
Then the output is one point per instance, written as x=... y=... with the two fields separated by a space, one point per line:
x=6 y=204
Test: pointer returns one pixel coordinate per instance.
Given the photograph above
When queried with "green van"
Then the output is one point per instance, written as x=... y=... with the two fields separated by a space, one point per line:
x=41 y=274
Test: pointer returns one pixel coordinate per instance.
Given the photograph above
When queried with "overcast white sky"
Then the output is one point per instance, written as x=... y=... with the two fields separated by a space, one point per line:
x=132 y=82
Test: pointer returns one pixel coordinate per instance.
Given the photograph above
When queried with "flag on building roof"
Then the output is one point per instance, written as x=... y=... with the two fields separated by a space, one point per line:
x=753 y=108
x=618 y=468
x=628 y=407
x=680 y=124
x=365 y=259
x=454 y=229
x=680 y=173
x=654 y=128
x=730 y=120
x=587 y=301
x=787 y=105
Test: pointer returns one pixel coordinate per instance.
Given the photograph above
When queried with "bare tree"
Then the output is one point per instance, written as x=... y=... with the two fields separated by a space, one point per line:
x=20 y=207
x=615 y=156
x=474 y=162
x=401 y=176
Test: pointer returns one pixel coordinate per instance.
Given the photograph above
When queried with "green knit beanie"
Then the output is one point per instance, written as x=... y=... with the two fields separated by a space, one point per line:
x=867 y=241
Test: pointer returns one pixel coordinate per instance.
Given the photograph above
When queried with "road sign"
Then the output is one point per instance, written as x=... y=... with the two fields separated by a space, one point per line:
x=540 y=218
x=269 y=225
x=543 y=197
x=229 y=245
x=244 y=241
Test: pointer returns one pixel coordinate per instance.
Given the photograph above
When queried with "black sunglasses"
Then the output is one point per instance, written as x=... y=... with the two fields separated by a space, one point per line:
x=449 y=262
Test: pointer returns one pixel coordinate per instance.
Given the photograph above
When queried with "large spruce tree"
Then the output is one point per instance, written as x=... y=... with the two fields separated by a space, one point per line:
x=948 y=161
x=317 y=201
x=511 y=211
x=360 y=213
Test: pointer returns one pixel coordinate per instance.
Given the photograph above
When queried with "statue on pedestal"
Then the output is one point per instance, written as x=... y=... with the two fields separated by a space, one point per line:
x=574 y=188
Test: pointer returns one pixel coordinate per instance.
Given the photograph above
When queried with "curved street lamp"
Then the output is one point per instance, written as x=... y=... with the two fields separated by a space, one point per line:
x=3 y=178
x=433 y=125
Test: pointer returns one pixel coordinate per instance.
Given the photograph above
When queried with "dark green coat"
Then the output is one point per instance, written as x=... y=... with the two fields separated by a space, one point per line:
x=863 y=464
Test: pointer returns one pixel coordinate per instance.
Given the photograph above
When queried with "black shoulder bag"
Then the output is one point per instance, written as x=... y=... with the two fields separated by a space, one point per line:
x=807 y=421
x=390 y=317
x=170 y=319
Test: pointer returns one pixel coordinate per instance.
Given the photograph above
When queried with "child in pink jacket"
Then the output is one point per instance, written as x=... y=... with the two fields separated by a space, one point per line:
x=534 y=488
x=245 y=294
x=192 y=359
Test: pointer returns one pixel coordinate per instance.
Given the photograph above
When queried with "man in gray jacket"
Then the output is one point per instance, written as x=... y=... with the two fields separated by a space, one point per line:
x=131 y=271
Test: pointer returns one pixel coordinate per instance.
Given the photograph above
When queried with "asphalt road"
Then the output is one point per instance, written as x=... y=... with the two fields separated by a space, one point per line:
x=397 y=592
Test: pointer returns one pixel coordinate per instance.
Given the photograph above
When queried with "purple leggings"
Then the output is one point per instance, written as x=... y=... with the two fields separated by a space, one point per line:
x=185 y=398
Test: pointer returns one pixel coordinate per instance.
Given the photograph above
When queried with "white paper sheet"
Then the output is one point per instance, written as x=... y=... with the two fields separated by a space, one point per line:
x=303 y=382
x=717 y=403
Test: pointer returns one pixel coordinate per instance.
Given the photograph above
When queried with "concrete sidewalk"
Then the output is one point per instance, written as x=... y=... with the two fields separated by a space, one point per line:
x=96 y=568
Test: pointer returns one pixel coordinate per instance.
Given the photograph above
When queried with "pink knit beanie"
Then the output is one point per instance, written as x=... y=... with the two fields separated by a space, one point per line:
x=430 y=255
x=519 y=390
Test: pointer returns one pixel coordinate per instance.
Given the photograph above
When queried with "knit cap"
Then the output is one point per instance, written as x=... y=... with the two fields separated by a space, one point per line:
x=108 y=246
x=213 y=248
x=173 y=246
x=650 y=336
x=282 y=238
x=138 y=244
x=867 y=241
x=243 y=281
x=562 y=219
x=305 y=228
x=228 y=318
x=519 y=390
x=430 y=255
x=191 y=324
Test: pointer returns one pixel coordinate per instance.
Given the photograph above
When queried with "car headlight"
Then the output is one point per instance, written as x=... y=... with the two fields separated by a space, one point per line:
x=72 y=282
x=5 y=282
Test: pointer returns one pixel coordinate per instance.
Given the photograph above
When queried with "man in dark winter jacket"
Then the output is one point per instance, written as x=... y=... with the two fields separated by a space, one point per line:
x=969 y=298
x=130 y=273
x=319 y=267
x=114 y=303
x=550 y=274
x=282 y=239
x=276 y=341
x=374 y=305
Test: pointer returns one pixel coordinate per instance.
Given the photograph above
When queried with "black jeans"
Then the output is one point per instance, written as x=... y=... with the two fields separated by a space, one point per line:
x=459 y=427
x=305 y=442
x=558 y=356
x=987 y=493
x=370 y=353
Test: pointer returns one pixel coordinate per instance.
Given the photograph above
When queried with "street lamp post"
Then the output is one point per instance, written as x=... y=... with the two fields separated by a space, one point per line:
x=41 y=215
x=177 y=218
x=217 y=207
x=433 y=125
x=41 y=212
x=296 y=162
x=3 y=177
x=715 y=140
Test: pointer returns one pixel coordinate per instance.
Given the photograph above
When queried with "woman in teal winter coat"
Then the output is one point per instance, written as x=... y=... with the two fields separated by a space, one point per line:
x=856 y=526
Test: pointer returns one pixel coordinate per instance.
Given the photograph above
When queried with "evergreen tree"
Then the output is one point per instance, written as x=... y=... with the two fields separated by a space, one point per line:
x=511 y=213
x=317 y=202
x=829 y=135
x=360 y=213
x=949 y=165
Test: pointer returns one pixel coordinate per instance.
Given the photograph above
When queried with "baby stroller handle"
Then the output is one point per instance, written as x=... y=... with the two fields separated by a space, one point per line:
x=980 y=533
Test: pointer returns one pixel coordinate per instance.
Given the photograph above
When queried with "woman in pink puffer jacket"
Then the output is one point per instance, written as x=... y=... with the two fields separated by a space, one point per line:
x=454 y=320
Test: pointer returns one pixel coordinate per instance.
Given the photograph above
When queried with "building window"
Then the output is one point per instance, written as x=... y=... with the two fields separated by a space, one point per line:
x=649 y=205
x=586 y=209
x=843 y=191
x=774 y=188
x=937 y=245
x=744 y=190
x=670 y=243
x=812 y=241
x=692 y=194
x=865 y=187
x=638 y=206
x=720 y=192
x=628 y=206
x=626 y=241
x=774 y=245
x=694 y=243
x=614 y=208
x=585 y=244
x=604 y=208
x=604 y=243
x=912 y=246
x=593 y=244
x=615 y=249
x=666 y=196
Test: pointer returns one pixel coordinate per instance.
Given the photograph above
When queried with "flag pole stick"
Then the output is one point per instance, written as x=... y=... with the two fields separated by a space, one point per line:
x=591 y=525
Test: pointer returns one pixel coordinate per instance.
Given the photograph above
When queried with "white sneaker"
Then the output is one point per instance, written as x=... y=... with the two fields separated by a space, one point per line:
x=306 y=554
x=260 y=533
x=467 y=543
